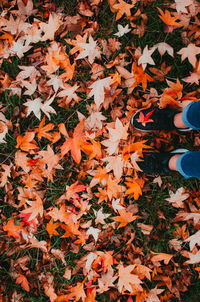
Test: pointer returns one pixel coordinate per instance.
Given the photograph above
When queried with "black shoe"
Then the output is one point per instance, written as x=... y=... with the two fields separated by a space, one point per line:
x=157 y=163
x=155 y=119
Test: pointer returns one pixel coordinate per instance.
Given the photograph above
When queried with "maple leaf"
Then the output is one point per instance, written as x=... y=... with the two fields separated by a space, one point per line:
x=98 y=90
x=22 y=161
x=13 y=229
x=124 y=218
x=72 y=192
x=123 y=8
x=69 y=93
x=193 y=258
x=90 y=50
x=146 y=57
x=56 y=82
x=94 y=121
x=5 y=174
x=78 y=39
x=182 y=4
x=21 y=279
x=46 y=108
x=3 y=128
x=160 y=73
x=94 y=232
x=26 y=142
x=51 y=27
x=19 y=47
x=145 y=119
x=100 y=216
x=161 y=256
x=27 y=72
x=31 y=87
x=59 y=255
x=12 y=25
x=126 y=279
x=138 y=146
x=51 y=160
x=76 y=293
x=42 y=130
x=116 y=205
x=36 y=208
x=178 y=197
x=168 y=19
x=134 y=187
x=122 y=30
x=67 y=274
x=140 y=76
x=134 y=159
x=74 y=144
x=194 y=77
x=34 y=243
x=106 y=281
x=115 y=135
x=190 y=52
x=36 y=106
x=94 y=149
x=152 y=295
x=25 y=10
x=129 y=78
x=115 y=163
x=164 y=47
x=113 y=188
x=62 y=215
x=193 y=240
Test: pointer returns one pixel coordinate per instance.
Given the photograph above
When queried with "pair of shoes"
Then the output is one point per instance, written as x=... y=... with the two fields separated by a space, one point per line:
x=156 y=119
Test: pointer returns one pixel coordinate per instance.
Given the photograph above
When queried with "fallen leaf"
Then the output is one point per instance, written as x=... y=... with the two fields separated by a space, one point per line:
x=21 y=279
x=124 y=218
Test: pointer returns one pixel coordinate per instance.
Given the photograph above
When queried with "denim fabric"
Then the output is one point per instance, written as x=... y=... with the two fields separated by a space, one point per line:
x=191 y=115
x=188 y=164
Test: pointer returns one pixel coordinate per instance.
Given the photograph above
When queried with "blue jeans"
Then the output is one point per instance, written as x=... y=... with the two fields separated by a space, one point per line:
x=188 y=164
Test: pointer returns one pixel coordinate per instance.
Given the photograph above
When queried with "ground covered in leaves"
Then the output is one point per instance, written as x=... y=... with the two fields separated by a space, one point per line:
x=79 y=220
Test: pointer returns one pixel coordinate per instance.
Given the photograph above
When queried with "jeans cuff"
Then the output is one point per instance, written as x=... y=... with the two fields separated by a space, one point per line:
x=184 y=116
x=179 y=167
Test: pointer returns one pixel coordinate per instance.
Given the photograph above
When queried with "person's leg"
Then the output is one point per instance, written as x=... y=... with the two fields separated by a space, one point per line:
x=191 y=115
x=188 y=164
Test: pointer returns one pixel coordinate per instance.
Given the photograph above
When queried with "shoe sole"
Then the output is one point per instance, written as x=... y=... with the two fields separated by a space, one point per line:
x=181 y=129
x=182 y=151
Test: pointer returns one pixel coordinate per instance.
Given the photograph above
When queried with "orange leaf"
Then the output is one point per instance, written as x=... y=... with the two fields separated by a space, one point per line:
x=51 y=228
x=161 y=256
x=74 y=144
x=42 y=131
x=12 y=229
x=168 y=19
x=26 y=142
x=140 y=76
x=23 y=281
x=122 y=8
x=36 y=208
x=94 y=149
x=134 y=187
x=124 y=218
x=138 y=146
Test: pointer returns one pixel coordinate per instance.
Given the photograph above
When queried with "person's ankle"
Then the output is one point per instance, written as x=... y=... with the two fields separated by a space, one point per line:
x=178 y=122
x=172 y=162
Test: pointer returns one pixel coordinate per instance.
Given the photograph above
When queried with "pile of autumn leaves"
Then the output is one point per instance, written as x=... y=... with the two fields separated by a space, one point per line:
x=103 y=154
